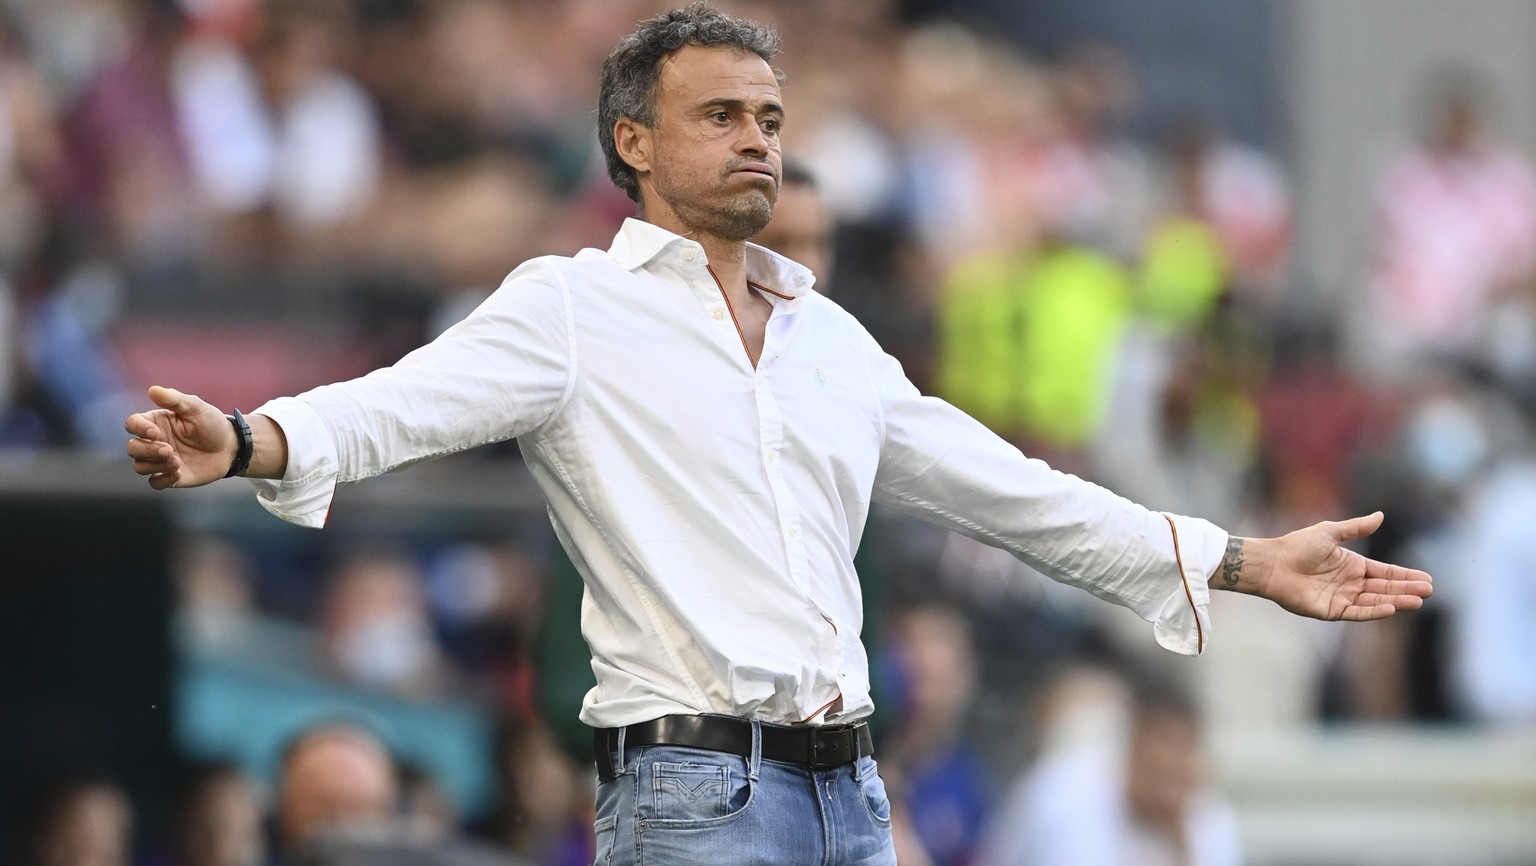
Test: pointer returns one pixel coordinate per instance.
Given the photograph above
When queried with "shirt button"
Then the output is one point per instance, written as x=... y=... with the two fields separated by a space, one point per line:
x=794 y=531
x=690 y=255
x=772 y=456
x=718 y=314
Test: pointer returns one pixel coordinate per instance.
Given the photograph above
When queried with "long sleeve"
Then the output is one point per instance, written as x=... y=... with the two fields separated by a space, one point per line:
x=945 y=467
x=502 y=372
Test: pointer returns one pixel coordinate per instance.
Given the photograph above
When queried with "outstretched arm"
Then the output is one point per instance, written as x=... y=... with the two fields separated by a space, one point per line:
x=1309 y=572
x=188 y=443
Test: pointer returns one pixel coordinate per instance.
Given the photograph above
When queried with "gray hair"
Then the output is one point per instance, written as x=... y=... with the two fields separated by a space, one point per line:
x=630 y=74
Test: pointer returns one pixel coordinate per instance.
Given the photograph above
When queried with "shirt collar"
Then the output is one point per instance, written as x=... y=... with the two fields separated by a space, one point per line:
x=639 y=242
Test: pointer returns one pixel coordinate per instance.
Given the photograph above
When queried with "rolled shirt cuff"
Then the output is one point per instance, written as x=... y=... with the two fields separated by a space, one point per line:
x=303 y=495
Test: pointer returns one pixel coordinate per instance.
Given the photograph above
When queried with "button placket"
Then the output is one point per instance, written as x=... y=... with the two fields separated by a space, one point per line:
x=770 y=441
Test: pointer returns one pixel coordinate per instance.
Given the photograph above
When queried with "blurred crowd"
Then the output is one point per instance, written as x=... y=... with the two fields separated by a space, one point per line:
x=245 y=198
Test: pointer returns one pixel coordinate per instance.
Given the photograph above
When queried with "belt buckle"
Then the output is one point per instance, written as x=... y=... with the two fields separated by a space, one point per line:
x=831 y=748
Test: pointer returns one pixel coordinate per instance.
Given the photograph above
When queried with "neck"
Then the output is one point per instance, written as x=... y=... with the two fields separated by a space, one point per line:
x=727 y=257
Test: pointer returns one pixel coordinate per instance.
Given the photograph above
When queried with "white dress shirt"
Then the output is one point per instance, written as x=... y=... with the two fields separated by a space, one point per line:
x=713 y=508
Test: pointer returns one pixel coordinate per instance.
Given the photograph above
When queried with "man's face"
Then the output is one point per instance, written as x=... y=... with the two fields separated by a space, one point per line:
x=334 y=780
x=801 y=229
x=711 y=163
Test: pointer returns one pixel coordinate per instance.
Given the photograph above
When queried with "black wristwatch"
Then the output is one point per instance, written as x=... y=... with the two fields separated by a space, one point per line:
x=244 y=449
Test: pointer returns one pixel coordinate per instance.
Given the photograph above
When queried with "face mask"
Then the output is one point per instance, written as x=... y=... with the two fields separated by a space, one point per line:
x=1446 y=442
x=384 y=649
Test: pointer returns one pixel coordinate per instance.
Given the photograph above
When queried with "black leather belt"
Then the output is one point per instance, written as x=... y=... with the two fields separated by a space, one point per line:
x=814 y=746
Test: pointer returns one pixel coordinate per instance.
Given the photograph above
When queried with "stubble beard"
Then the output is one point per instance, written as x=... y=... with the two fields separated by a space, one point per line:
x=737 y=218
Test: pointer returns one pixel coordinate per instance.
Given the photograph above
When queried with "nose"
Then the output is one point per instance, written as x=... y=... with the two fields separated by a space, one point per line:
x=752 y=141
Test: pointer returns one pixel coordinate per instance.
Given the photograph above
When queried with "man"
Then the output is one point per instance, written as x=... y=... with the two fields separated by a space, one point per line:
x=339 y=804
x=335 y=778
x=1120 y=777
x=710 y=434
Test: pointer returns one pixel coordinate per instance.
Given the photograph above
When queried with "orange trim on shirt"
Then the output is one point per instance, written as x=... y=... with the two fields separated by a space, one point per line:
x=762 y=288
x=735 y=321
x=824 y=708
x=1184 y=582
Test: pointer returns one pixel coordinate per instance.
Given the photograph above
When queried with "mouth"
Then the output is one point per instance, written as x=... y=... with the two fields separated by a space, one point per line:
x=760 y=169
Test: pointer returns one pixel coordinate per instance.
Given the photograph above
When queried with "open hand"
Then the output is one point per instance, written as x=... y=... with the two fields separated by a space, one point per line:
x=1309 y=572
x=184 y=443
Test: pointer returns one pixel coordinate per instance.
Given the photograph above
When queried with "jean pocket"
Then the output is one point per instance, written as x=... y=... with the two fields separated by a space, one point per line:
x=605 y=829
x=690 y=789
x=873 y=788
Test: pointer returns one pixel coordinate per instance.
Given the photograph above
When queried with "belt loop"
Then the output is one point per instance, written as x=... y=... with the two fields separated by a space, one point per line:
x=755 y=762
x=618 y=767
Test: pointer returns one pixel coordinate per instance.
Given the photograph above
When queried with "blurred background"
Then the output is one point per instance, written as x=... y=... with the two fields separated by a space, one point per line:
x=1262 y=262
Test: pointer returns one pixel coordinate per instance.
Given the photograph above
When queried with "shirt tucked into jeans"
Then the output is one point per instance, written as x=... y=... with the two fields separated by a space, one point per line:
x=713 y=508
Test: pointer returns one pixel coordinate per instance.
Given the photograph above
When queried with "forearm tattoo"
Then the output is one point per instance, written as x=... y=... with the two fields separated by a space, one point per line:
x=1232 y=563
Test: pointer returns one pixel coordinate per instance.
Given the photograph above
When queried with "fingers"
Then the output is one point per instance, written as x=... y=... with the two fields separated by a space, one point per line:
x=1416 y=588
x=1361 y=613
x=141 y=425
x=151 y=449
x=172 y=399
x=155 y=459
x=1386 y=577
x=148 y=450
x=1397 y=602
x=163 y=480
x=1371 y=606
x=1358 y=527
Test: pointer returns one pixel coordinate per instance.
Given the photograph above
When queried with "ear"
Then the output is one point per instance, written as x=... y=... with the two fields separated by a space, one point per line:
x=634 y=144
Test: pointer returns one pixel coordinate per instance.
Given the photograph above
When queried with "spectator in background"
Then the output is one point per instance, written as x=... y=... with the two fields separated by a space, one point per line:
x=1028 y=313
x=130 y=194
x=1465 y=472
x=978 y=111
x=941 y=778
x=1081 y=718
x=544 y=814
x=1121 y=779
x=1093 y=183
x=376 y=629
x=801 y=228
x=339 y=805
x=274 y=129
x=334 y=777
x=75 y=821
x=333 y=773
x=1454 y=231
x=1234 y=201
x=31 y=152
x=1026 y=340
x=217 y=819
x=1493 y=611
x=31 y=149
x=216 y=595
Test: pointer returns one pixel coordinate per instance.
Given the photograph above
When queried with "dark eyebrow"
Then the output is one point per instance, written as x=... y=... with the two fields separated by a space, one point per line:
x=741 y=105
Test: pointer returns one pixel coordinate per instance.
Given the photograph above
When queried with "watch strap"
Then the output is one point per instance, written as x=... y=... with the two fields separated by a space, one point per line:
x=245 y=447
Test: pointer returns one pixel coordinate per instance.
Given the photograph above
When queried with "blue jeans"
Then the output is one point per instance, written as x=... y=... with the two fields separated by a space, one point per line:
x=677 y=806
